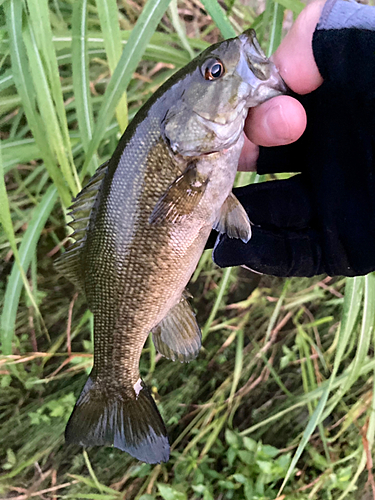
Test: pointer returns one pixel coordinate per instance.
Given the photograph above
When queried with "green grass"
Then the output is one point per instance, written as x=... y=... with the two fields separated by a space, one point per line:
x=279 y=401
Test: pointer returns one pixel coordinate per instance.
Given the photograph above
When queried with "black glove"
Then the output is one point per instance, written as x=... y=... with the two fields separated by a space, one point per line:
x=323 y=219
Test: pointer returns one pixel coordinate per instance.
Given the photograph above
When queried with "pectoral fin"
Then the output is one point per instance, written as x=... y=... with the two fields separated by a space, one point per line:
x=233 y=220
x=178 y=335
x=180 y=199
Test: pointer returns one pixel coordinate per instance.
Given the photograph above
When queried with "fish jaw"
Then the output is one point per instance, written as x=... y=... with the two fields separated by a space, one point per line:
x=227 y=133
x=261 y=79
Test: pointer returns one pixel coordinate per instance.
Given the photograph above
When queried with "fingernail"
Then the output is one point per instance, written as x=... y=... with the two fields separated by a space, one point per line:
x=277 y=126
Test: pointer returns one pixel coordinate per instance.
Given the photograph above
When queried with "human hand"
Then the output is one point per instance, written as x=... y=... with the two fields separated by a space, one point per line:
x=321 y=220
x=282 y=120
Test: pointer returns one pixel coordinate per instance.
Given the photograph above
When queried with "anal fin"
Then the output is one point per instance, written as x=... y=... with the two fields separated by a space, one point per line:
x=178 y=335
x=233 y=220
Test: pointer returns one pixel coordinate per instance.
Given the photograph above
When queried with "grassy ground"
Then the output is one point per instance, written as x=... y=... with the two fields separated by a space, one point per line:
x=279 y=403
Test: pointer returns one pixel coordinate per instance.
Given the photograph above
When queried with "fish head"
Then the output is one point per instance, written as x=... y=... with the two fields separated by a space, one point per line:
x=209 y=111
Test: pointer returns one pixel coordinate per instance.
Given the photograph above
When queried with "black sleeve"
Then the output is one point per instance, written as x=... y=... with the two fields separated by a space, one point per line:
x=323 y=219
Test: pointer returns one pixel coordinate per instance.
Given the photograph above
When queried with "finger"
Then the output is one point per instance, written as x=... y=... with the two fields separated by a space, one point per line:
x=277 y=122
x=249 y=156
x=294 y=57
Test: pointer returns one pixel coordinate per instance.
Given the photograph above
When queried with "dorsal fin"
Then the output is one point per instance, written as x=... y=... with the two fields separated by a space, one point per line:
x=69 y=264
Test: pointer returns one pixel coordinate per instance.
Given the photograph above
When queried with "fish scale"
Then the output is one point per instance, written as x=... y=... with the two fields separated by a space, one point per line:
x=141 y=226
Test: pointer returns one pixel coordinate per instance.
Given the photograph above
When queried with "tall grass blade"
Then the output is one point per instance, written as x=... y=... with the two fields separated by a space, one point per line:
x=6 y=80
x=81 y=79
x=19 y=151
x=294 y=5
x=178 y=26
x=214 y=434
x=26 y=90
x=352 y=302
x=22 y=258
x=276 y=28
x=369 y=437
x=238 y=363
x=221 y=291
x=157 y=50
x=363 y=344
x=39 y=21
x=91 y=471
x=91 y=482
x=26 y=251
x=132 y=54
x=47 y=109
x=276 y=311
x=220 y=19
x=302 y=401
x=109 y=22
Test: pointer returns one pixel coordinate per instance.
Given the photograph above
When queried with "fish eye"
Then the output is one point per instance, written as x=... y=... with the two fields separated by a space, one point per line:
x=213 y=69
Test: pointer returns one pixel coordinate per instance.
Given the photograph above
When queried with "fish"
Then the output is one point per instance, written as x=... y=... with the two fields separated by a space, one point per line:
x=140 y=226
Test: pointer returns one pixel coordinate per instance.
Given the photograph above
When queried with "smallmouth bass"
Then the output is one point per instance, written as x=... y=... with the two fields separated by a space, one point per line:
x=141 y=224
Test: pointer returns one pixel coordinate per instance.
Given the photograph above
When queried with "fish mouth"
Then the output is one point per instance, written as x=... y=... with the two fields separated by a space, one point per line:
x=259 y=73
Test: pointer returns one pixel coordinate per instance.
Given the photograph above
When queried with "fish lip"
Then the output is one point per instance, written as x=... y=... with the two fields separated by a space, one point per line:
x=259 y=72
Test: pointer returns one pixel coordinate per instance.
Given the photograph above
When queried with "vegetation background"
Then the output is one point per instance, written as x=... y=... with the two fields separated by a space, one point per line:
x=280 y=402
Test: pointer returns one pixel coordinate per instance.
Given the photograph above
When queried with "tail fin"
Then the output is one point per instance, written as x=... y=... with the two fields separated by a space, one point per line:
x=128 y=420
